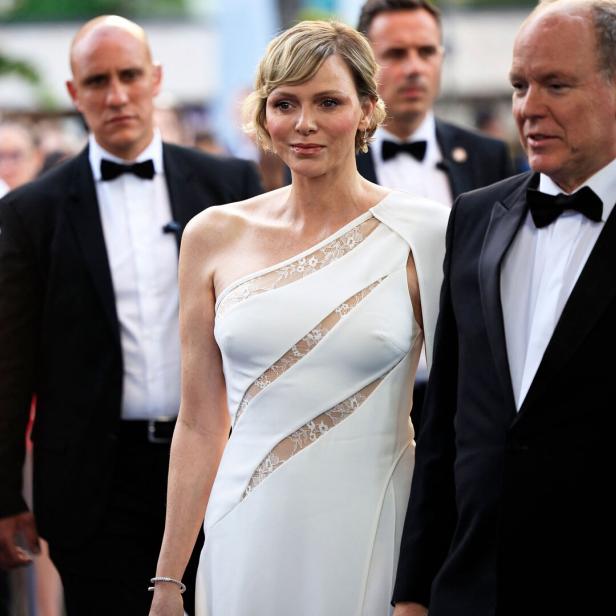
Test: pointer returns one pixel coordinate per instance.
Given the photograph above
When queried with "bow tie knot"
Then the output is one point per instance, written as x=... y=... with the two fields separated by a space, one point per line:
x=390 y=149
x=545 y=208
x=111 y=170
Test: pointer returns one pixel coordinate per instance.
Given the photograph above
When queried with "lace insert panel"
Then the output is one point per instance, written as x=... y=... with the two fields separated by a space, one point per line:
x=300 y=267
x=309 y=433
x=302 y=347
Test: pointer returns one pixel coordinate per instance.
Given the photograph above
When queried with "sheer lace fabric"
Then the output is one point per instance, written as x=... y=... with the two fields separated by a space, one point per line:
x=299 y=268
x=302 y=347
x=291 y=272
x=309 y=433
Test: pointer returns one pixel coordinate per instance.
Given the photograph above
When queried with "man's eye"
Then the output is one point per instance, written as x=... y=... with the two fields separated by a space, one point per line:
x=427 y=52
x=130 y=75
x=97 y=81
x=394 y=54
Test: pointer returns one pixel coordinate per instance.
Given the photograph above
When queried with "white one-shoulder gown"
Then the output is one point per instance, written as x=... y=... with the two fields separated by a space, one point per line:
x=319 y=355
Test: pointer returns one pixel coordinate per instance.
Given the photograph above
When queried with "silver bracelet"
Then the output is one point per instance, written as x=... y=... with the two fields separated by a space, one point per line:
x=164 y=578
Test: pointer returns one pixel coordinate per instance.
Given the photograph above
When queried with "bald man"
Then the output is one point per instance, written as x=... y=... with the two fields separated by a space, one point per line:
x=88 y=326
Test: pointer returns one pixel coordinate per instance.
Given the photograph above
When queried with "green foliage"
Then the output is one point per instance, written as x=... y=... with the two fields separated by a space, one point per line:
x=19 y=67
x=27 y=72
x=51 y=10
x=309 y=14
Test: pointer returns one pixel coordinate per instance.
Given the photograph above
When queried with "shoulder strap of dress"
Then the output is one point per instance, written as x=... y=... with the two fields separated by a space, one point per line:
x=422 y=224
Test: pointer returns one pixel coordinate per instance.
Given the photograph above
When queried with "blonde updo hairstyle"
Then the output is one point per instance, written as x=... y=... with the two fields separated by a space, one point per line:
x=295 y=56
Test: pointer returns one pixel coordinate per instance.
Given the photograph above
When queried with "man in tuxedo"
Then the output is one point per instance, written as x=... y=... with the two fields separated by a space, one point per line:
x=510 y=508
x=88 y=325
x=414 y=151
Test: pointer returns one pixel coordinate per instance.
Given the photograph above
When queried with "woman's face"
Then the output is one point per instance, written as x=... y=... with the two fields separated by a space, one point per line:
x=312 y=125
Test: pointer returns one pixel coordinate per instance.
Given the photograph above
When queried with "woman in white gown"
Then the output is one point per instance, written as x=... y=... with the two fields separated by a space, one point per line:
x=303 y=313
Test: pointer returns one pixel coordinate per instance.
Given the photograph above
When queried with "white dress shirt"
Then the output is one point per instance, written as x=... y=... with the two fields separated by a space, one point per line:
x=143 y=262
x=538 y=274
x=405 y=173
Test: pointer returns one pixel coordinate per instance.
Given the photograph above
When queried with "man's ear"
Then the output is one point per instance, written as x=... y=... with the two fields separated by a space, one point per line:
x=72 y=91
x=157 y=77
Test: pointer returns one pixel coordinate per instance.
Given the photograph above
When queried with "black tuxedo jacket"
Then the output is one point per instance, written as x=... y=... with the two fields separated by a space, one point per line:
x=470 y=160
x=59 y=334
x=509 y=511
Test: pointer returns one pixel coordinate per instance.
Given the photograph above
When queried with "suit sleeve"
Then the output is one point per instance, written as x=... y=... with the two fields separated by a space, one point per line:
x=19 y=291
x=430 y=518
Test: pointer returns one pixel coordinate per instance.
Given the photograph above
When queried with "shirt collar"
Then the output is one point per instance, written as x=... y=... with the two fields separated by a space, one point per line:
x=426 y=131
x=603 y=184
x=154 y=152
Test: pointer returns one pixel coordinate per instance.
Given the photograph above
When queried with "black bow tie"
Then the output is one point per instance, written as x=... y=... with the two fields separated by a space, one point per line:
x=545 y=209
x=417 y=149
x=111 y=170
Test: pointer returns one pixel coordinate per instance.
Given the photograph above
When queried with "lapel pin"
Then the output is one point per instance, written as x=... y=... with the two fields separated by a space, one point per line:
x=460 y=155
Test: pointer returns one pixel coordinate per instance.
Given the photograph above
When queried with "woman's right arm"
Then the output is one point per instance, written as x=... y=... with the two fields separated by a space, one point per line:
x=202 y=427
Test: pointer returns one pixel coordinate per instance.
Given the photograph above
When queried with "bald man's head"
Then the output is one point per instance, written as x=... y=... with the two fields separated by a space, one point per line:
x=600 y=13
x=102 y=24
x=114 y=84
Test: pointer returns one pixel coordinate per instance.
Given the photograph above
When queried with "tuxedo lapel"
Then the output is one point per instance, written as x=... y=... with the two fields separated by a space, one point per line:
x=456 y=160
x=504 y=222
x=84 y=215
x=178 y=180
x=185 y=200
x=593 y=292
x=365 y=166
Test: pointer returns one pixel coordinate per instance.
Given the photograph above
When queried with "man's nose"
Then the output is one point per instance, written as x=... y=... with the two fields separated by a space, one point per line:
x=413 y=63
x=532 y=103
x=116 y=95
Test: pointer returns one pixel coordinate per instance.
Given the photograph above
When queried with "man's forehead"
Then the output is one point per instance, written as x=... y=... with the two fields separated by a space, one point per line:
x=389 y=22
x=86 y=48
x=542 y=37
x=109 y=23
x=554 y=17
x=404 y=40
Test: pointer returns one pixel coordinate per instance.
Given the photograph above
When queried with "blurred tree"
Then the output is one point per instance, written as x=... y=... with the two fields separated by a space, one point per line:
x=10 y=66
x=20 y=68
x=35 y=10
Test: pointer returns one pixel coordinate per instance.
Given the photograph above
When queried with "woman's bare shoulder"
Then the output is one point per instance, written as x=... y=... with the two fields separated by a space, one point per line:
x=219 y=224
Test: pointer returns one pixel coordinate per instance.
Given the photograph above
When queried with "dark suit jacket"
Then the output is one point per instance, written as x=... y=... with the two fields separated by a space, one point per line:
x=487 y=160
x=509 y=512
x=59 y=335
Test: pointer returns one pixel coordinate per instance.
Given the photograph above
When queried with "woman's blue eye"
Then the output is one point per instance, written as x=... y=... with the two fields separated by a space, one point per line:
x=330 y=102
